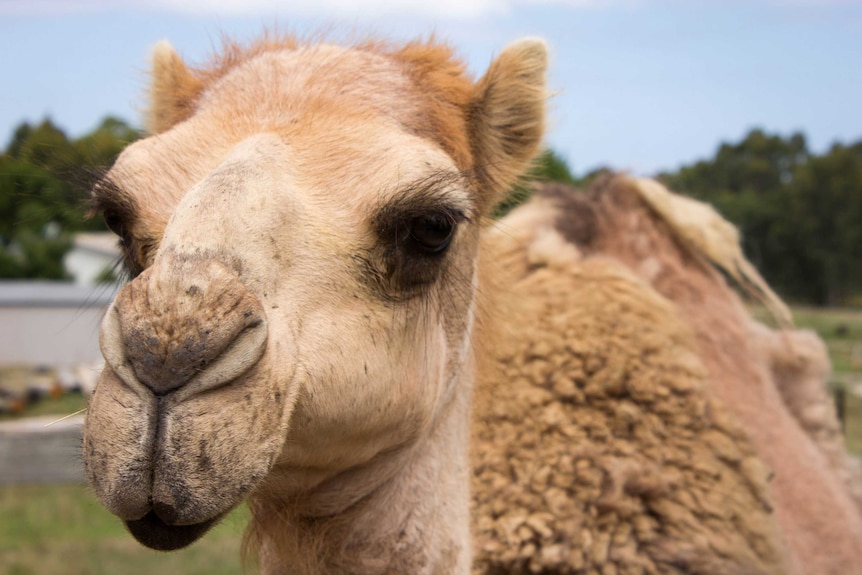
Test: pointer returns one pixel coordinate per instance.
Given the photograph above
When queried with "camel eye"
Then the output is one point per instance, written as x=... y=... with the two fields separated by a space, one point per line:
x=411 y=247
x=433 y=232
x=113 y=221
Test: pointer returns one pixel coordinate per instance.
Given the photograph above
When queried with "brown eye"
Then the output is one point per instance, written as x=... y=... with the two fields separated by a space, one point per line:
x=432 y=233
x=113 y=221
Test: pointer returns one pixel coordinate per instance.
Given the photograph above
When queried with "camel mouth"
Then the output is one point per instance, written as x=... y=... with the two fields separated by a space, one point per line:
x=154 y=533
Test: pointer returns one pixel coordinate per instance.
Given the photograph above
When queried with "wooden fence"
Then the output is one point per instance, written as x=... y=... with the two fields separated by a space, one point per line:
x=33 y=450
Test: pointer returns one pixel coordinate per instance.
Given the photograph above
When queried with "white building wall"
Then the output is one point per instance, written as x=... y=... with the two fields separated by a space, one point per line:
x=91 y=254
x=51 y=323
x=50 y=336
x=85 y=266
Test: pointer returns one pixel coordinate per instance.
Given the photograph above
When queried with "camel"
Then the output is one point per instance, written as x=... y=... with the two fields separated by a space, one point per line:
x=317 y=289
x=648 y=424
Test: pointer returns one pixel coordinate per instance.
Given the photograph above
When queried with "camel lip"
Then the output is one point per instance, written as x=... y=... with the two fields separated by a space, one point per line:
x=156 y=534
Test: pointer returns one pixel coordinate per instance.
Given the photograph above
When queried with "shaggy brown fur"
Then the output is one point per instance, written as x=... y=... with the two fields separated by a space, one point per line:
x=611 y=445
x=799 y=363
x=817 y=515
x=597 y=447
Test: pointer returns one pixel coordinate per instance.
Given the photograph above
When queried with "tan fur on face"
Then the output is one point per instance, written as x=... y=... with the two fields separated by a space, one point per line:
x=173 y=91
x=491 y=130
x=507 y=114
x=287 y=181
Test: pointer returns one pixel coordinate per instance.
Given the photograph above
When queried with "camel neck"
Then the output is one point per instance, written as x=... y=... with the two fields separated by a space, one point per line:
x=405 y=512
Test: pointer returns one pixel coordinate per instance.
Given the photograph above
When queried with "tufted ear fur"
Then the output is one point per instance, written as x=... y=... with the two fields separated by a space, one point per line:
x=173 y=89
x=507 y=116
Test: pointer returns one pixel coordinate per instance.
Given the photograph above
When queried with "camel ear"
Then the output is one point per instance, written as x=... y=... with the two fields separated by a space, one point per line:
x=173 y=89
x=507 y=116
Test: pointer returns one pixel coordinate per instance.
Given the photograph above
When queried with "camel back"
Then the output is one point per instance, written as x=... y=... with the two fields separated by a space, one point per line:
x=627 y=390
x=702 y=229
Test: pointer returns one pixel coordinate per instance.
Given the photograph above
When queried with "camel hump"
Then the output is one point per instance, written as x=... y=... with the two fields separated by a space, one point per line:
x=592 y=219
x=701 y=228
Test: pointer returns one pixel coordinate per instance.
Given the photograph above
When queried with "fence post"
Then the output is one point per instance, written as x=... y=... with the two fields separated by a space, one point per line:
x=841 y=404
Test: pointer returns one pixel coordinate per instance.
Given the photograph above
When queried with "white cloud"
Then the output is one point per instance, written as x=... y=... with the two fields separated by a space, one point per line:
x=447 y=9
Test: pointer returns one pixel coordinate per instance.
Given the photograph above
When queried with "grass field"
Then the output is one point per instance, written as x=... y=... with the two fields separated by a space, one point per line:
x=62 y=530
x=841 y=329
x=59 y=406
x=842 y=332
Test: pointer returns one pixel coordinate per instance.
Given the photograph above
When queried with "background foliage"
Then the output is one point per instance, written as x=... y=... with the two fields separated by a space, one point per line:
x=800 y=214
x=44 y=177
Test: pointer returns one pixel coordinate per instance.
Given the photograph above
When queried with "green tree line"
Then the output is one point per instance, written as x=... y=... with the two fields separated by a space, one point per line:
x=44 y=177
x=800 y=214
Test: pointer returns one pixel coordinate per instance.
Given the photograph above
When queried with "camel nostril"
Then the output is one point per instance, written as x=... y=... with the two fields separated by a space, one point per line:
x=170 y=335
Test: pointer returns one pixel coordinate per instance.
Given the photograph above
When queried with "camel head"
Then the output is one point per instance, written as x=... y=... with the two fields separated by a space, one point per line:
x=301 y=229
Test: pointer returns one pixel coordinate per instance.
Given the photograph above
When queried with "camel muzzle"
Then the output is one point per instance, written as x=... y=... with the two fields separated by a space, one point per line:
x=158 y=453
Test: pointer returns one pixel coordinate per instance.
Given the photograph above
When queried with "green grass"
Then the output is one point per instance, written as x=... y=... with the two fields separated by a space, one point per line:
x=853 y=424
x=59 y=406
x=63 y=530
x=841 y=330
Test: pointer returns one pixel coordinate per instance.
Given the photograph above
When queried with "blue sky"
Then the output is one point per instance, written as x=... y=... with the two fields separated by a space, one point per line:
x=641 y=85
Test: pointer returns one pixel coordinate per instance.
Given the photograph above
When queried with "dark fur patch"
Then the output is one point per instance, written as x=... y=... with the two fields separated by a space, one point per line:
x=119 y=209
x=396 y=267
x=576 y=217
